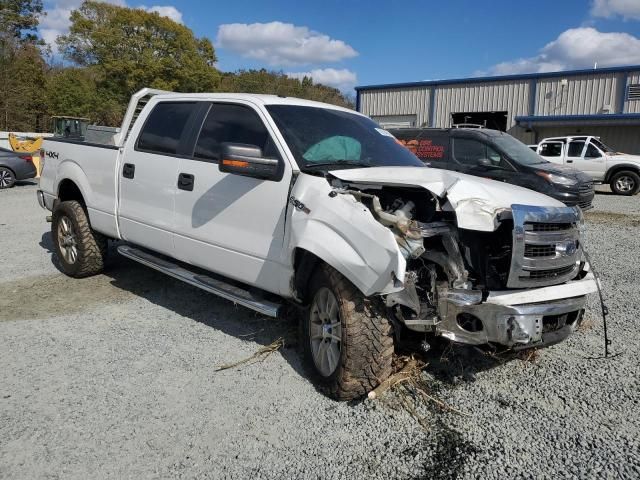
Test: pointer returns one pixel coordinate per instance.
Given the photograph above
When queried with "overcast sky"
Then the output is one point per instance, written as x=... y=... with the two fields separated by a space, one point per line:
x=357 y=42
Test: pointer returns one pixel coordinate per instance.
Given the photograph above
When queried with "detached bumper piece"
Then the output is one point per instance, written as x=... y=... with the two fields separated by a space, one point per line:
x=542 y=321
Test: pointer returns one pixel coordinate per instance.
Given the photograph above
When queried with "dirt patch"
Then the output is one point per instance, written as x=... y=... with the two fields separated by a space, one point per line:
x=613 y=218
x=52 y=295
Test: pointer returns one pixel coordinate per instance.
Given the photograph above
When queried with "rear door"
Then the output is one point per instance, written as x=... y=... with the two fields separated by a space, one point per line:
x=226 y=223
x=552 y=151
x=148 y=175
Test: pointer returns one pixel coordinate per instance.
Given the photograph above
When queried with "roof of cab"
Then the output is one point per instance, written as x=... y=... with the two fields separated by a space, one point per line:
x=256 y=98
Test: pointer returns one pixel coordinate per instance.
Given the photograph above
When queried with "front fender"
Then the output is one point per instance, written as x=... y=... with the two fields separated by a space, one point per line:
x=343 y=233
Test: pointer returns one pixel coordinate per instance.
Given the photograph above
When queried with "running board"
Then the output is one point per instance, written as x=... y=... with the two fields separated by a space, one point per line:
x=217 y=287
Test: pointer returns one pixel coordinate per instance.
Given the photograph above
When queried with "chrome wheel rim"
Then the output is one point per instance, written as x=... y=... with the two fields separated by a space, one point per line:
x=625 y=183
x=67 y=240
x=325 y=331
x=5 y=178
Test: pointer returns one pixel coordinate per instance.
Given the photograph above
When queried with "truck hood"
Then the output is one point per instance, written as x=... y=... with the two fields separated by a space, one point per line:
x=476 y=201
x=624 y=157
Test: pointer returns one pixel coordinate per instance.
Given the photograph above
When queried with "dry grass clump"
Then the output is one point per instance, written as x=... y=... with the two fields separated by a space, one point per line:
x=259 y=356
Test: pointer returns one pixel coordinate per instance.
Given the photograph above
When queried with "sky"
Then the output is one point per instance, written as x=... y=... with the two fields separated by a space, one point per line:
x=357 y=42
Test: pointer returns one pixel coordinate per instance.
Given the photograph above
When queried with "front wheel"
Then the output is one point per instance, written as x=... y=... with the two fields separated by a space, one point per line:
x=625 y=182
x=81 y=251
x=347 y=342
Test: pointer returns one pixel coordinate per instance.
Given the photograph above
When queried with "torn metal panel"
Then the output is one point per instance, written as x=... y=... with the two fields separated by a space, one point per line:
x=476 y=201
x=342 y=231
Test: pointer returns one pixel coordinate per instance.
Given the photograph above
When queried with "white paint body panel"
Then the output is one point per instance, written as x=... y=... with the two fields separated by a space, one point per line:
x=476 y=201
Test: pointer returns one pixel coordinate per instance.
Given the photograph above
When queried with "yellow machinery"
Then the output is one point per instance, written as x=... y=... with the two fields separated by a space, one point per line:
x=29 y=145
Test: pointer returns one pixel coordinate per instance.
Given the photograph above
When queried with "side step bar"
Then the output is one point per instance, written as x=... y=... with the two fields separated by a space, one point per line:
x=217 y=287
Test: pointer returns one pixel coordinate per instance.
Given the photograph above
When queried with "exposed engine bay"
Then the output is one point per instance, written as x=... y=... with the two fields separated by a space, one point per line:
x=453 y=274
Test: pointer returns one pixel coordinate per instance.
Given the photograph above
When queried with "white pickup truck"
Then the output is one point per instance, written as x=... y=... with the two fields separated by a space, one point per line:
x=266 y=200
x=587 y=153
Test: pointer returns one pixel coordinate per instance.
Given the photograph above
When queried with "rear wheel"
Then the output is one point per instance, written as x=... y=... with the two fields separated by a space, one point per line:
x=347 y=340
x=7 y=178
x=625 y=182
x=81 y=251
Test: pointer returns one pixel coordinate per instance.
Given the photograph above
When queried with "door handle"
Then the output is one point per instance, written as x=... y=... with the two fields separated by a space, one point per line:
x=128 y=170
x=569 y=161
x=186 y=181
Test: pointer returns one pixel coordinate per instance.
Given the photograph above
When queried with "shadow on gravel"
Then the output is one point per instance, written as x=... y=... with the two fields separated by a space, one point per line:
x=125 y=280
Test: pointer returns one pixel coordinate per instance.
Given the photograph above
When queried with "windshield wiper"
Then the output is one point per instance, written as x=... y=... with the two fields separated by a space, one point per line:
x=336 y=163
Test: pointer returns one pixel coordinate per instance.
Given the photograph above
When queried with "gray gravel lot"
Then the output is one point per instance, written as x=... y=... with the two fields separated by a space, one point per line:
x=114 y=377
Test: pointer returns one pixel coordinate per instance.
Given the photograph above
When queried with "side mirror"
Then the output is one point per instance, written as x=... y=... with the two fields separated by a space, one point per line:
x=247 y=160
x=484 y=162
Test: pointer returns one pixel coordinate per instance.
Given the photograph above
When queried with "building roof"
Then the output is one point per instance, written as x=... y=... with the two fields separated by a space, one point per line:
x=497 y=78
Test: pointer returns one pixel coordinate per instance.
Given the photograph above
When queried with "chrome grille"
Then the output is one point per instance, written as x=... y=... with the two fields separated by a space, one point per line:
x=546 y=245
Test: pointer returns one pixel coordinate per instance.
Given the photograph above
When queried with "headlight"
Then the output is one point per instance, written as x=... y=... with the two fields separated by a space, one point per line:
x=557 y=179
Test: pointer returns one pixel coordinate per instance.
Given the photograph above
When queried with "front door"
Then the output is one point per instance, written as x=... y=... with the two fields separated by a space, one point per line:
x=227 y=223
x=592 y=162
x=477 y=158
x=148 y=174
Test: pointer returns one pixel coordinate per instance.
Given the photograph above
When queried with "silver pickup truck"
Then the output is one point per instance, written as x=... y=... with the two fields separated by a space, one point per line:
x=266 y=200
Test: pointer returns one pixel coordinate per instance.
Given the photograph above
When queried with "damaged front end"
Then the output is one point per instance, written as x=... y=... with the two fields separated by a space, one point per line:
x=519 y=280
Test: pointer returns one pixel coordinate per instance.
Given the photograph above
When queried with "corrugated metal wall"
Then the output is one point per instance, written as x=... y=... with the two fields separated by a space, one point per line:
x=509 y=96
x=586 y=94
x=633 y=106
x=405 y=101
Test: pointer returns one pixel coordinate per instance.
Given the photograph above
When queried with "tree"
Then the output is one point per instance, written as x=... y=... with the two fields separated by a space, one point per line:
x=21 y=65
x=131 y=49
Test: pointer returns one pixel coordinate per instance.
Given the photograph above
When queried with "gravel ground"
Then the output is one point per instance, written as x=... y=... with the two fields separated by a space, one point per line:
x=115 y=377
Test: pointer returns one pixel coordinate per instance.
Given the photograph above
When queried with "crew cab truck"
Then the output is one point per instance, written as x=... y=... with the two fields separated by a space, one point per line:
x=265 y=200
x=602 y=163
x=497 y=155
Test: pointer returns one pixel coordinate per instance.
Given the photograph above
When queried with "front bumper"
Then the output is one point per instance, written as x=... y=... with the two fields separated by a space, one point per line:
x=521 y=319
x=583 y=197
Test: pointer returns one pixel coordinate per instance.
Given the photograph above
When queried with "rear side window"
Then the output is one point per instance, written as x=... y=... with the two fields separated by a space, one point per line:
x=162 y=131
x=575 y=148
x=232 y=124
x=551 y=149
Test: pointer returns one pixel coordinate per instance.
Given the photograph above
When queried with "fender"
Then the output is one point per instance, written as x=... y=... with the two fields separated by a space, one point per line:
x=616 y=167
x=70 y=170
x=343 y=233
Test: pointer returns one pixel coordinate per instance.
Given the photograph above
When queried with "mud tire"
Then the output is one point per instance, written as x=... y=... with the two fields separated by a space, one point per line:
x=367 y=345
x=91 y=246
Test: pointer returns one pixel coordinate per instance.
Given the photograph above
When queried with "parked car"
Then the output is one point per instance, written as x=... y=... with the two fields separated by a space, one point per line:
x=266 y=200
x=488 y=153
x=602 y=163
x=15 y=166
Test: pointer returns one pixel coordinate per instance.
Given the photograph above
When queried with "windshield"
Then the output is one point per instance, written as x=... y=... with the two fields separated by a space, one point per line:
x=517 y=151
x=602 y=146
x=326 y=139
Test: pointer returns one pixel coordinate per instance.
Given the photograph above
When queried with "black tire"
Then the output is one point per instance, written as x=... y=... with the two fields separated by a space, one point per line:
x=366 y=338
x=70 y=228
x=7 y=178
x=625 y=182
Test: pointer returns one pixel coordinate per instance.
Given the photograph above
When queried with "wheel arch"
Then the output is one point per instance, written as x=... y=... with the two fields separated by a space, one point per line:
x=619 y=168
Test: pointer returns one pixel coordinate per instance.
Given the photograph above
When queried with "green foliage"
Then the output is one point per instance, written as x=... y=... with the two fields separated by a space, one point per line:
x=263 y=81
x=116 y=51
x=132 y=49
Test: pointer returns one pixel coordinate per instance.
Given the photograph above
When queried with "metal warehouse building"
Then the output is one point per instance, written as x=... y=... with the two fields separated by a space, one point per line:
x=603 y=102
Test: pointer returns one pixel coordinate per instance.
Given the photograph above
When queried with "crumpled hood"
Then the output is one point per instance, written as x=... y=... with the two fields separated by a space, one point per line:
x=476 y=201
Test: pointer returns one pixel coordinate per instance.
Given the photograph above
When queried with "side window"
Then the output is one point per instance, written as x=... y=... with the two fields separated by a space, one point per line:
x=232 y=124
x=164 y=126
x=551 y=150
x=575 y=148
x=468 y=152
x=592 y=152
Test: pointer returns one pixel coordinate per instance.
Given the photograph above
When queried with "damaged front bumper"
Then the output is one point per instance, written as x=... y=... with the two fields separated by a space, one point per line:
x=516 y=319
